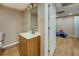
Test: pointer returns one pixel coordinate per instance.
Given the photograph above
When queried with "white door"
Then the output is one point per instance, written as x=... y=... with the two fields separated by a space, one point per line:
x=52 y=29
x=76 y=23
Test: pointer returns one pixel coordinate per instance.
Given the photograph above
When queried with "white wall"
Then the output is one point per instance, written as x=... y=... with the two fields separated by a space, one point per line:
x=11 y=23
x=67 y=24
x=43 y=27
x=26 y=20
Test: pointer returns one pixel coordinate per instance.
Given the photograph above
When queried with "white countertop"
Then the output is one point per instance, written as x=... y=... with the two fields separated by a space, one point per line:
x=29 y=35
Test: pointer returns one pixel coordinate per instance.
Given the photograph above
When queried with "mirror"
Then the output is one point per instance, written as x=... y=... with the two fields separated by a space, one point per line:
x=34 y=18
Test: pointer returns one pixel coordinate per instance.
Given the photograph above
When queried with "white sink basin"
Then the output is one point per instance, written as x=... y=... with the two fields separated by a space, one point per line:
x=29 y=35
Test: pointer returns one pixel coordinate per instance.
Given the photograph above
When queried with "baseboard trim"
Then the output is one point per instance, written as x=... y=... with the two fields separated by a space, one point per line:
x=73 y=36
x=11 y=44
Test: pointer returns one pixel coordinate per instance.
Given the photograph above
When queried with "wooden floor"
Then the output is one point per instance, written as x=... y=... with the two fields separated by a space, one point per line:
x=67 y=47
x=12 y=51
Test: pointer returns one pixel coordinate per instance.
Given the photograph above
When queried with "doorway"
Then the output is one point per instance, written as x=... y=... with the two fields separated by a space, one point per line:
x=67 y=40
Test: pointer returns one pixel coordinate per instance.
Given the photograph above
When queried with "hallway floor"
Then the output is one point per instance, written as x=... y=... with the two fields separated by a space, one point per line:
x=67 y=47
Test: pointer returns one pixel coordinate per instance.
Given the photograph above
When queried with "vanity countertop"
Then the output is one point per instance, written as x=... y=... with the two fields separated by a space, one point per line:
x=29 y=35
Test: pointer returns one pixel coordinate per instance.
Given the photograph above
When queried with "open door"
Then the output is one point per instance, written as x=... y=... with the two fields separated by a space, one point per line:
x=76 y=23
x=52 y=29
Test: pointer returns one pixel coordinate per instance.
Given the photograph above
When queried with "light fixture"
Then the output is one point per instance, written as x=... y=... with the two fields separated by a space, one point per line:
x=31 y=6
x=34 y=5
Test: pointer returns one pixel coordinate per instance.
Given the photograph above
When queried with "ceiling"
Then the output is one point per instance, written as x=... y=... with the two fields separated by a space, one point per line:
x=66 y=9
x=62 y=9
x=18 y=6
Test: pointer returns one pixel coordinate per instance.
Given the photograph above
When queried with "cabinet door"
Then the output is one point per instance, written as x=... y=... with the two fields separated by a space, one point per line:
x=37 y=46
x=29 y=47
x=34 y=46
x=1 y=51
x=22 y=47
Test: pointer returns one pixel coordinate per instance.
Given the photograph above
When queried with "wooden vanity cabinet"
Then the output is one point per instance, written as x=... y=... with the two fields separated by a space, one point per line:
x=29 y=47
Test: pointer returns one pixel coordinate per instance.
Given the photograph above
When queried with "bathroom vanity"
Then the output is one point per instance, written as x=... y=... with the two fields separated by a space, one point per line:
x=2 y=37
x=29 y=44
